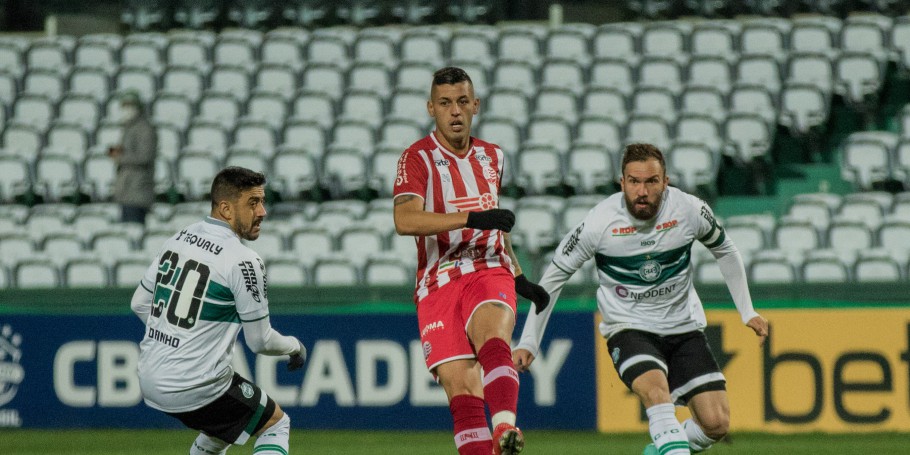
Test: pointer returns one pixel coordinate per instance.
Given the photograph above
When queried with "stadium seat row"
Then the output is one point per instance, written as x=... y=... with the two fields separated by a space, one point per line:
x=89 y=271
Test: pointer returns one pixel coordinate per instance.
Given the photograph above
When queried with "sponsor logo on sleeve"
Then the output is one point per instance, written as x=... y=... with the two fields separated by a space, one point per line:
x=402 y=172
x=265 y=278
x=573 y=240
x=706 y=214
x=248 y=270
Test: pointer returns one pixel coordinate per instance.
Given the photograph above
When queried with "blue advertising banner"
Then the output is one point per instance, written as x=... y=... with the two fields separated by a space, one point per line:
x=363 y=372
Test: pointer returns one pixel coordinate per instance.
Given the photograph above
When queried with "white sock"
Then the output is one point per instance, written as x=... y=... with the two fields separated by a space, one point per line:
x=503 y=416
x=207 y=445
x=698 y=440
x=274 y=439
x=666 y=432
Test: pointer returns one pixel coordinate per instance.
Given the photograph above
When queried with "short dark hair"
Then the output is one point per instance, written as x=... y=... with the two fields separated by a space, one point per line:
x=451 y=75
x=233 y=180
x=642 y=152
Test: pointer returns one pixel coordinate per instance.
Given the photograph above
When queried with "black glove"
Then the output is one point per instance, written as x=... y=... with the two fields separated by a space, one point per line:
x=501 y=219
x=296 y=361
x=533 y=292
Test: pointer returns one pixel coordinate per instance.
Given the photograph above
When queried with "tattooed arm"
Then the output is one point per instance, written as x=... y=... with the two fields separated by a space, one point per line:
x=412 y=219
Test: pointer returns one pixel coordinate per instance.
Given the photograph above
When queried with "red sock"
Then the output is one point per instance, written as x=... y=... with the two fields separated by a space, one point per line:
x=472 y=435
x=500 y=380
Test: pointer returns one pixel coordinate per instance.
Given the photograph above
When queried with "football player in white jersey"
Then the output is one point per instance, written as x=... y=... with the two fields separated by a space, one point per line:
x=653 y=320
x=203 y=286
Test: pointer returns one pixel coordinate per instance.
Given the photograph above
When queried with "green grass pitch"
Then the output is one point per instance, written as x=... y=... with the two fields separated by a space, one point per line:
x=159 y=442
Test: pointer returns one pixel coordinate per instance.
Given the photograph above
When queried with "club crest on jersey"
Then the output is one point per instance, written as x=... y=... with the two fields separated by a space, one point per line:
x=246 y=389
x=485 y=201
x=650 y=270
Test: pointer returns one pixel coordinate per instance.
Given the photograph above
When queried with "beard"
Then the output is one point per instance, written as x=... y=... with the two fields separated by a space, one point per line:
x=644 y=213
x=247 y=232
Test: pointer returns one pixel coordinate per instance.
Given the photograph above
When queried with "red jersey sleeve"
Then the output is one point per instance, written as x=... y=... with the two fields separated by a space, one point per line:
x=412 y=175
x=502 y=171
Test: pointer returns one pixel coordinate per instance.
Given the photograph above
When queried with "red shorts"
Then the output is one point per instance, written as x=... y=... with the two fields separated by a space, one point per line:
x=443 y=316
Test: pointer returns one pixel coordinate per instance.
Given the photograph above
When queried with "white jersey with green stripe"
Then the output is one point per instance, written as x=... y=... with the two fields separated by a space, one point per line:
x=643 y=267
x=204 y=283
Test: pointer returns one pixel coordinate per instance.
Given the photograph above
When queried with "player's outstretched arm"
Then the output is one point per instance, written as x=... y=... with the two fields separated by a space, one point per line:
x=263 y=339
x=734 y=272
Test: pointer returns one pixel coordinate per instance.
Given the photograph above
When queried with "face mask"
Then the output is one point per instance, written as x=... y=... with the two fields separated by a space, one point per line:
x=128 y=113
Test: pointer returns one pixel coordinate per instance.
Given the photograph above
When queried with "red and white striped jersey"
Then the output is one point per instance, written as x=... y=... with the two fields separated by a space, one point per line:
x=448 y=183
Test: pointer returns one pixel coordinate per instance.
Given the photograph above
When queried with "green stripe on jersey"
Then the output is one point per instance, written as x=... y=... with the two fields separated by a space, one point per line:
x=628 y=269
x=219 y=292
x=219 y=313
x=720 y=239
x=707 y=236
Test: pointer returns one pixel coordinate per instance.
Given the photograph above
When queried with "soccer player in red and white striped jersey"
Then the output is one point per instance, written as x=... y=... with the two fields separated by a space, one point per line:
x=446 y=195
